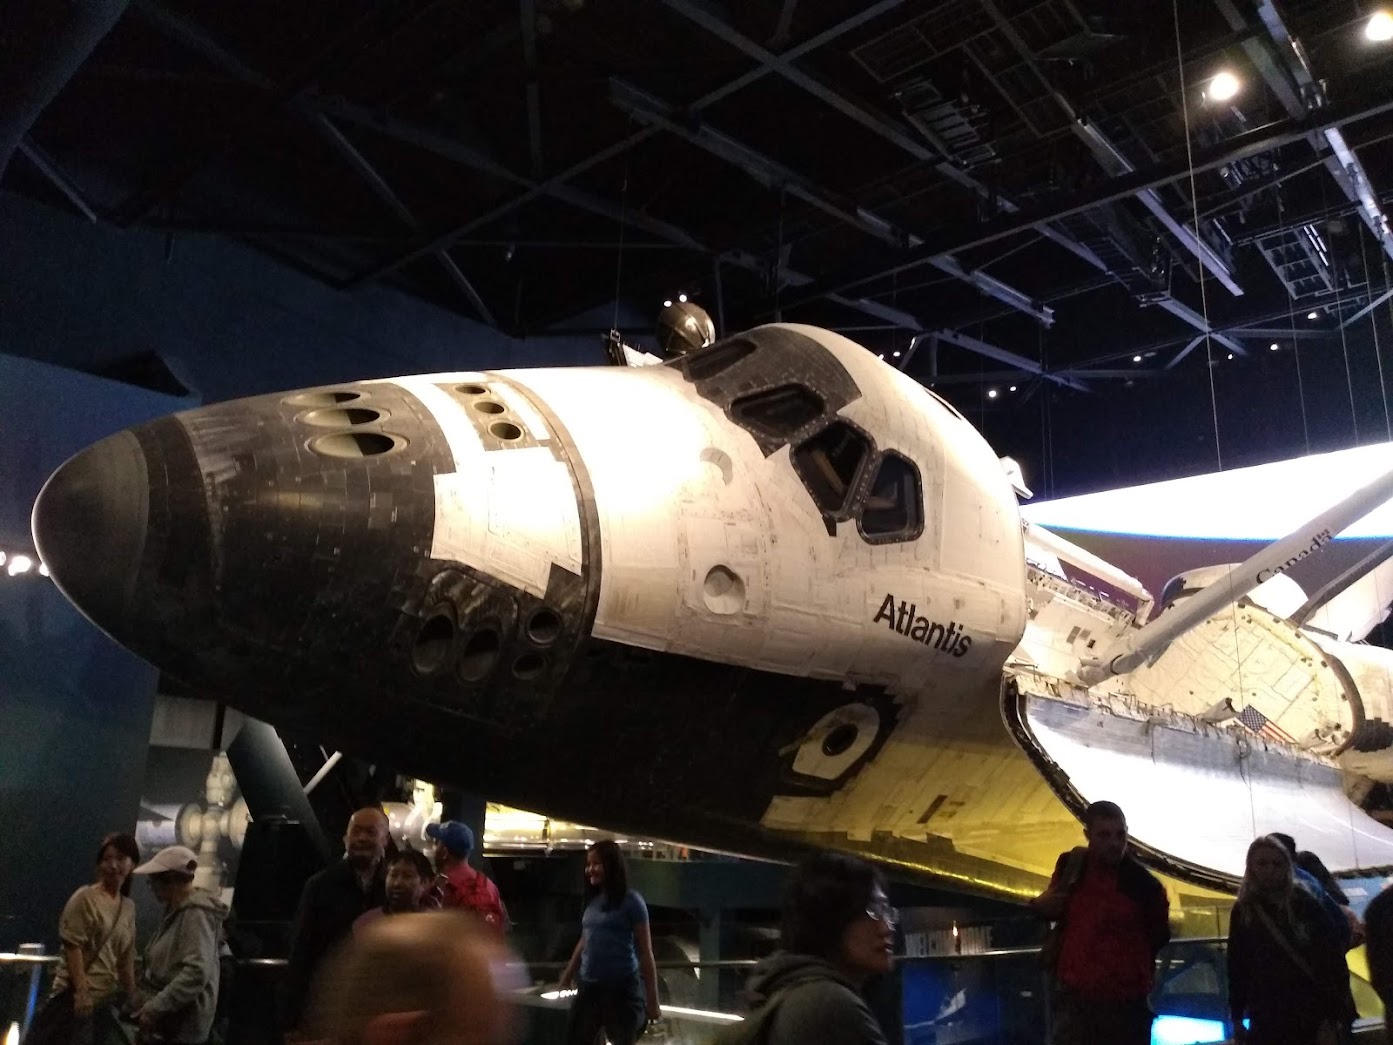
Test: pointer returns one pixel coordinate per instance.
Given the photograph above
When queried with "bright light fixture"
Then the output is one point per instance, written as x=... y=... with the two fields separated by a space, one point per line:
x=12 y=1035
x=1273 y=347
x=1013 y=388
x=681 y=297
x=667 y=304
x=1313 y=315
x=1230 y=355
x=1223 y=86
x=19 y=564
x=991 y=393
x=896 y=353
x=1379 y=27
x=1136 y=359
x=43 y=569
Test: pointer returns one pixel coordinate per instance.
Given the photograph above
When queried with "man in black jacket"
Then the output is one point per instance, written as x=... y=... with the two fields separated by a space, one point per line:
x=1113 y=918
x=331 y=901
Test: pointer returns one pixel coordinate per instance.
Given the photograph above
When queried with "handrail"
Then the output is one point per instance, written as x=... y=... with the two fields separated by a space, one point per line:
x=10 y=958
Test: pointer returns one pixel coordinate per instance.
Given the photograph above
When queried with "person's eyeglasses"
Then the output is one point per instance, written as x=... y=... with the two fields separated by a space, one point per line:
x=883 y=912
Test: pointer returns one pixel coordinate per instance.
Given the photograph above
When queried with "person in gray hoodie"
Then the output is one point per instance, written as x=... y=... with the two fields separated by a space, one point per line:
x=838 y=931
x=178 y=993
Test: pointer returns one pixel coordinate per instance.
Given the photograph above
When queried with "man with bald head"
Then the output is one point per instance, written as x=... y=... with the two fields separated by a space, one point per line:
x=332 y=900
x=416 y=979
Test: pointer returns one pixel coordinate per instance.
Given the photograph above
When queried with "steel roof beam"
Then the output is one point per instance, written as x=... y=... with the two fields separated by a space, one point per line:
x=370 y=175
x=1006 y=356
x=770 y=172
x=783 y=65
x=551 y=186
x=527 y=16
x=967 y=234
x=1110 y=157
x=1299 y=95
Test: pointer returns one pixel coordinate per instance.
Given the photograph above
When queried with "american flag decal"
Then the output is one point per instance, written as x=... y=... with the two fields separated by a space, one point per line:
x=1256 y=722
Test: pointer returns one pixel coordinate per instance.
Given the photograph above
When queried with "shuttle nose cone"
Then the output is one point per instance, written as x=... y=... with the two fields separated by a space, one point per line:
x=90 y=527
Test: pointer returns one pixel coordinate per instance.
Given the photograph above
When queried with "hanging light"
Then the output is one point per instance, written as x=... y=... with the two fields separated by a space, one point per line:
x=1223 y=86
x=1379 y=28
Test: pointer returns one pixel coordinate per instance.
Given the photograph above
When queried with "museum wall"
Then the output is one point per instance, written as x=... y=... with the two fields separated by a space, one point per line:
x=74 y=707
x=230 y=320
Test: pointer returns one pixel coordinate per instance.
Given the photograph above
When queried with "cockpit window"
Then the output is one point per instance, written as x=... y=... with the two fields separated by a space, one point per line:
x=706 y=363
x=778 y=412
x=894 y=508
x=828 y=464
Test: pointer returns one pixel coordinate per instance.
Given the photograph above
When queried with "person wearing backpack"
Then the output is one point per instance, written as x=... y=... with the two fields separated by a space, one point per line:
x=838 y=931
x=1111 y=919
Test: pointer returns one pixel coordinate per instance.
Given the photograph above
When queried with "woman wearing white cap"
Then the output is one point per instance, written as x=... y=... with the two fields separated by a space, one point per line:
x=179 y=983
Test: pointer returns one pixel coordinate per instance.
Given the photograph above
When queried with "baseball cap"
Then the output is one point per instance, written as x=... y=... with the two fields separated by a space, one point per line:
x=174 y=858
x=453 y=835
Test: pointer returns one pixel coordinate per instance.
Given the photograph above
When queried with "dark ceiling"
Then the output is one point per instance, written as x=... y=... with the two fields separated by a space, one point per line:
x=989 y=192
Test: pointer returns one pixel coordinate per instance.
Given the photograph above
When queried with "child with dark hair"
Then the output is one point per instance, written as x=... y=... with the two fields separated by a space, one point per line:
x=97 y=930
x=615 y=947
x=409 y=877
x=838 y=932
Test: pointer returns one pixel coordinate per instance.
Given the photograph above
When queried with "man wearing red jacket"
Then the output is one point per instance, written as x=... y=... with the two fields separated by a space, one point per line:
x=457 y=884
x=1112 y=918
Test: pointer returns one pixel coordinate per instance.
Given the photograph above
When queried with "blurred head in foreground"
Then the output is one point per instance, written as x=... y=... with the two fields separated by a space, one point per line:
x=417 y=979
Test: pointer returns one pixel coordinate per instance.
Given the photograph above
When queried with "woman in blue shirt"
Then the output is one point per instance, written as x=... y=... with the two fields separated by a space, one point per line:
x=614 y=947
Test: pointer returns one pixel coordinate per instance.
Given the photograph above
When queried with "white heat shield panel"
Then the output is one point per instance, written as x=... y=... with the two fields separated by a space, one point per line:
x=1198 y=795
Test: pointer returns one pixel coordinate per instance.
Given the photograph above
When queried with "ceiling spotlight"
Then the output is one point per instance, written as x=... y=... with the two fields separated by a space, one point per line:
x=1013 y=388
x=681 y=297
x=1136 y=359
x=1273 y=347
x=1223 y=86
x=880 y=355
x=1379 y=27
x=1230 y=355
x=43 y=569
x=991 y=393
x=668 y=303
x=1313 y=315
x=19 y=564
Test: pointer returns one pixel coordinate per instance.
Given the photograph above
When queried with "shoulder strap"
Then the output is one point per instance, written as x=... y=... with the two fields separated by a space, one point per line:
x=110 y=931
x=1276 y=933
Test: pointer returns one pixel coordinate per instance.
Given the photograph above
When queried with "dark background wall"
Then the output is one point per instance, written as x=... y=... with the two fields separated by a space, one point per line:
x=74 y=706
x=230 y=321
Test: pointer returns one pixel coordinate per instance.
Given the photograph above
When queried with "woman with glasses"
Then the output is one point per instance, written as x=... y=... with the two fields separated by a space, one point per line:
x=838 y=932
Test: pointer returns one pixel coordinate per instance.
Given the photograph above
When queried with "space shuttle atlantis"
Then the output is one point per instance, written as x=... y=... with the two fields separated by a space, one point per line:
x=768 y=595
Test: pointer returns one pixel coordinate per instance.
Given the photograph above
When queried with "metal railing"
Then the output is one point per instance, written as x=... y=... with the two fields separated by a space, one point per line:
x=997 y=995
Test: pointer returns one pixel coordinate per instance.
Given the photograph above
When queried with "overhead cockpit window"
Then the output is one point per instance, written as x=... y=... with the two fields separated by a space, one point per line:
x=706 y=363
x=894 y=508
x=778 y=412
x=828 y=464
